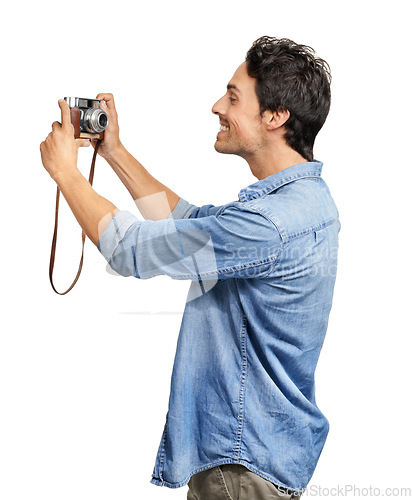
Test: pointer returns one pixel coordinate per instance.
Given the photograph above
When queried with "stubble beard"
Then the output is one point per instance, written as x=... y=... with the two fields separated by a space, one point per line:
x=231 y=148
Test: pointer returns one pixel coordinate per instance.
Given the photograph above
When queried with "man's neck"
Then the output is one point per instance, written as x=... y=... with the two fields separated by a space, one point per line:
x=273 y=161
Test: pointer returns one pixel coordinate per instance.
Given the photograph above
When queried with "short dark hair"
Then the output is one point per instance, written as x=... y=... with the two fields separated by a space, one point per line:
x=289 y=76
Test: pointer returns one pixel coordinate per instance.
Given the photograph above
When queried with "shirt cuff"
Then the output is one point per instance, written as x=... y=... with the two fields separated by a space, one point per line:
x=114 y=232
x=182 y=210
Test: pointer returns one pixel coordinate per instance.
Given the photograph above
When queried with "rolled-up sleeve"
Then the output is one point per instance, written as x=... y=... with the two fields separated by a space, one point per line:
x=185 y=210
x=235 y=242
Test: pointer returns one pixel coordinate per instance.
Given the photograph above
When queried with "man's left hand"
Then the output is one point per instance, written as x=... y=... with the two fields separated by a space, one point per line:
x=59 y=150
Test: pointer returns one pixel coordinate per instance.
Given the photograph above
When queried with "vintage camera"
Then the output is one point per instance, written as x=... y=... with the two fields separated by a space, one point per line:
x=89 y=121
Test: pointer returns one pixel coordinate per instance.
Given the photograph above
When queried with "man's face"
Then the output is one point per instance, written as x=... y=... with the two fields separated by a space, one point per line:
x=242 y=129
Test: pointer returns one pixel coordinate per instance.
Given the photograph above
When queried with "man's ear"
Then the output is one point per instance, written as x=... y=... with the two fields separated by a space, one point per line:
x=276 y=119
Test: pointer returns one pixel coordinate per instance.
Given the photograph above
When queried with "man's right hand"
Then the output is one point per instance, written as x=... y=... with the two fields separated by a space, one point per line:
x=111 y=141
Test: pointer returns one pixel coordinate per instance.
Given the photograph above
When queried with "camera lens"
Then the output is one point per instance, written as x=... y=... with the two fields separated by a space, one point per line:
x=95 y=120
x=103 y=121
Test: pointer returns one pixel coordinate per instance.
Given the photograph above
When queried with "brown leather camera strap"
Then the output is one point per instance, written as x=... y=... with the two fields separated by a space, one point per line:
x=56 y=220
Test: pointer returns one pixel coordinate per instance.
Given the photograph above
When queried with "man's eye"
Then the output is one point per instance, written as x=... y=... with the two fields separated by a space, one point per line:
x=231 y=99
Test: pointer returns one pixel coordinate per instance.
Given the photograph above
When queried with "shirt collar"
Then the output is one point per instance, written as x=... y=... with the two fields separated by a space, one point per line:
x=274 y=181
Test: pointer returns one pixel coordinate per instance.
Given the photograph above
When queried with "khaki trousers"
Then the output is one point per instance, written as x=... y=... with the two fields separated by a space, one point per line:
x=234 y=482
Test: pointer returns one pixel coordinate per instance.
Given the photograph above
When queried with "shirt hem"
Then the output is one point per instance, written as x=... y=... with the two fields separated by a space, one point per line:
x=159 y=482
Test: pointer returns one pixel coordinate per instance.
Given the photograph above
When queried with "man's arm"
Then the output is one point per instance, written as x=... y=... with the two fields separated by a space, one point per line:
x=236 y=243
x=154 y=200
x=92 y=211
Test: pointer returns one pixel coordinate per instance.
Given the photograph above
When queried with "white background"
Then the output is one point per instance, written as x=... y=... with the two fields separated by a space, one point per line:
x=85 y=378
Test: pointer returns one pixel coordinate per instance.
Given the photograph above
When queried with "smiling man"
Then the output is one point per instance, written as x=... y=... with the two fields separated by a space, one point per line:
x=242 y=422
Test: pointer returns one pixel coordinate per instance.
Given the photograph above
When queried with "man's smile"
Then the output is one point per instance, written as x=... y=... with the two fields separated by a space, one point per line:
x=223 y=128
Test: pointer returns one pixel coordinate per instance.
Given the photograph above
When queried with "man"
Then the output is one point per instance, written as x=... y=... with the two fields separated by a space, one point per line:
x=243 y=420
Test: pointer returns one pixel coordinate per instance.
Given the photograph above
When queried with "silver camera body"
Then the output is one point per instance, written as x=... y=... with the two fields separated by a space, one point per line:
x=88 y=120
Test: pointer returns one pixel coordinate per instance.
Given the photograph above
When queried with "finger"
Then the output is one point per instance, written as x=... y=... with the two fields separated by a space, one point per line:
x=108 y=99
x=65 y=109
x=80 y=143
x=56 y=125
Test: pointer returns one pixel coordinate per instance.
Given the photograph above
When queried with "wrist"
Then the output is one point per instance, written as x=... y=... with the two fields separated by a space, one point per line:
x=67 y=176
x=114 y=152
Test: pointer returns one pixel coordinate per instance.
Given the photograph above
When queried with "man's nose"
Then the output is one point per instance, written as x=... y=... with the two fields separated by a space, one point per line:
x=217 y=107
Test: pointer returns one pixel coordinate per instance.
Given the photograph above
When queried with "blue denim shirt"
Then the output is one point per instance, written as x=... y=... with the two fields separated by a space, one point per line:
x=262 y=271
